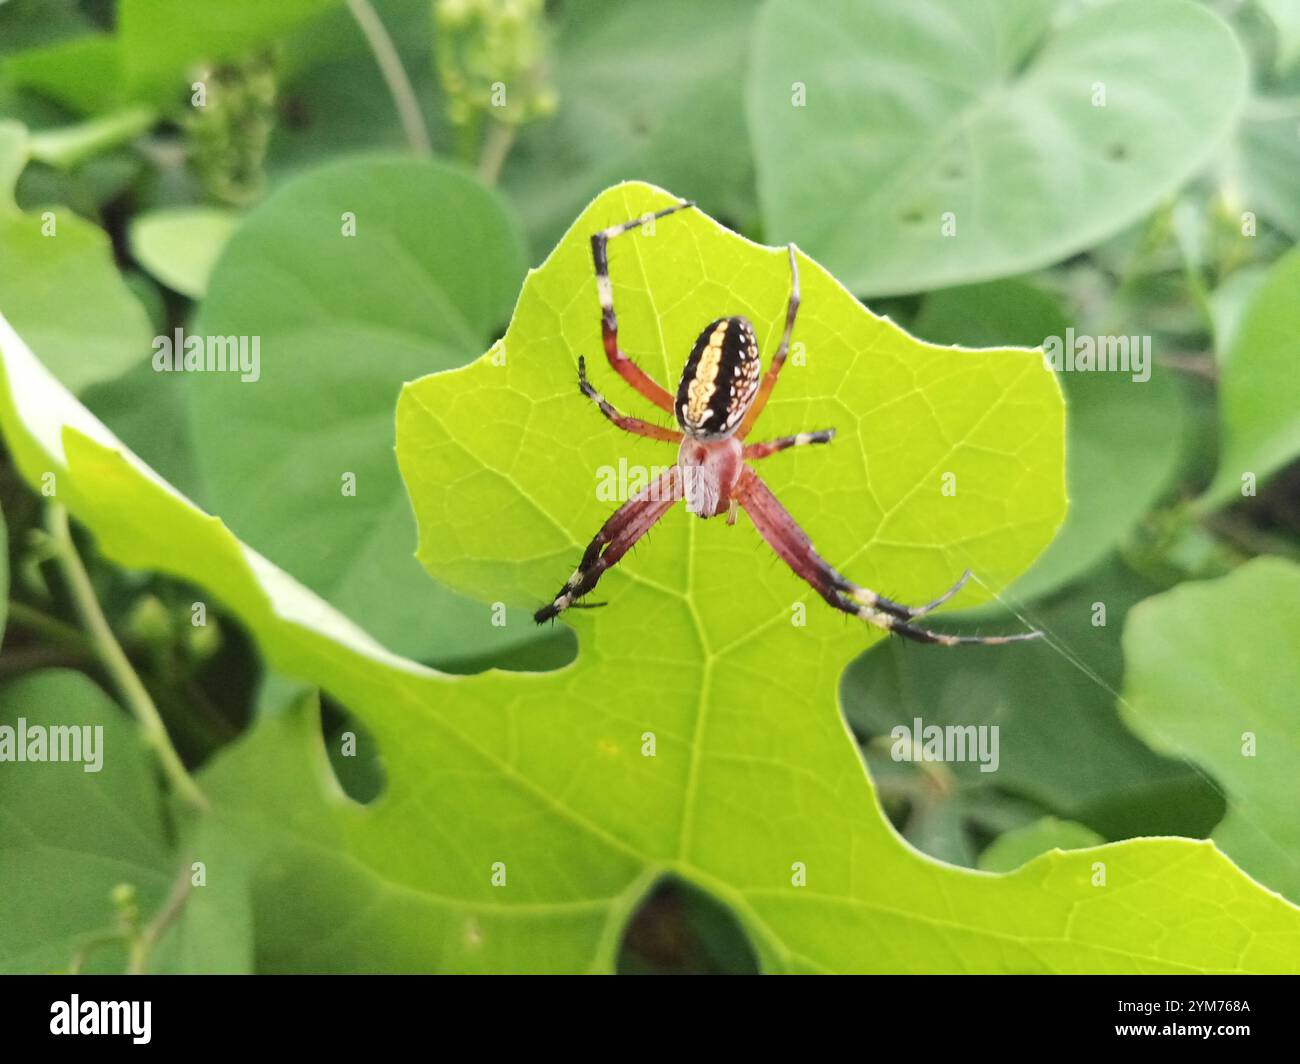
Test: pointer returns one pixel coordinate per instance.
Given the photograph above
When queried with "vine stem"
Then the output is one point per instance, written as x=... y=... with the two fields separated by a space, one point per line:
x=115 y=661
x=496 y=146
x=390 y=66
x=43 y=624
x=143 y=944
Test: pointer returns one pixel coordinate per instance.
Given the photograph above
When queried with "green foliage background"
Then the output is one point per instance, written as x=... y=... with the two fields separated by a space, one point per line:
x=1159 y=712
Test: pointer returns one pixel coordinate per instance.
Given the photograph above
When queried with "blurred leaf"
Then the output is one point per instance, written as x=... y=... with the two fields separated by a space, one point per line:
x=1267 y=163
x=1285 y=15
x=1115 y=423
x=1212 y=667
x=180 y=245
x=62 y=291
x=163 y=41
x=1008 y=852
x=4 y=576
x=1261 y=422
x=343 y=321
x=1061 y=744
x=986 y=111
x=68 y=147
x=332 y=94
x=1228 y=304
x=647 y=88
x=27 y=24
x=69 y=836
x=544 y=772
x=82 y=73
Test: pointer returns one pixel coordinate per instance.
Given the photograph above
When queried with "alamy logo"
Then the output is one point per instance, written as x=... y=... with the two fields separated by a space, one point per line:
x=1100 y=354
x=58 y=742
x=102 y=1017
x=952 y=743
x=179 y=353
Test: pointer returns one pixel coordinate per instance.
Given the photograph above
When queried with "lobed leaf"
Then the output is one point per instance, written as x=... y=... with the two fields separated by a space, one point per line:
x=754 y=770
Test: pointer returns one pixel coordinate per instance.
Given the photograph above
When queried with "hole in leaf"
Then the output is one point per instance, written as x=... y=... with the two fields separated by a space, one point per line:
x=680 y=930
x=353 y=753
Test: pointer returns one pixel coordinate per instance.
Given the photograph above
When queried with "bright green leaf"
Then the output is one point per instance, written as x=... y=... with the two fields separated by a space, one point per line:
x=1212 y=673
x=342 y=321
x=753 y=770
x=59 y=286
x=1257 y=392
x=1115 y=423
x=180 y=245
x=989 y=112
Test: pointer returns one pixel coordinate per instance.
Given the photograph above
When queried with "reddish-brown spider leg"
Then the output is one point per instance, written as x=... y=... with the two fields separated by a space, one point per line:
x=633 y=425
x=778 y=360
x=782 y=443
x=793 y=546
x=624 y=366
x=616 y=537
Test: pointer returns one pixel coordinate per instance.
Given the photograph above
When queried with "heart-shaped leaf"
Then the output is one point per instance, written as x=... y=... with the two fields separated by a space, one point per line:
x=1261 y=425
x=964 y=141
x=1225 y=695
x=49 y=254
x=353 y=278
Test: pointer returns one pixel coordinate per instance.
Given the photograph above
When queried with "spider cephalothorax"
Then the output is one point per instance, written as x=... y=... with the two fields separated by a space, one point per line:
x=721 y=394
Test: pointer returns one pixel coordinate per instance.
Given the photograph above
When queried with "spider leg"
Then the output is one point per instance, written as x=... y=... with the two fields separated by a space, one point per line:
x=781 y=443
x=616 y=537
x=793 y=547
x=778 y=360
x=624 y=366
x=633 y=425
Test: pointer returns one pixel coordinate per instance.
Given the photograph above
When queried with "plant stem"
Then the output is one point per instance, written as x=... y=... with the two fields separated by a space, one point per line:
x=115 y=662
x=390 y=66
x=144 y=943
x=51 y=628
x=496 y=146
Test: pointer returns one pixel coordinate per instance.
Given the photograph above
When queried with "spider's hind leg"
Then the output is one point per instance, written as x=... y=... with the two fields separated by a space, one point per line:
x=866 y=597
x=793 y=546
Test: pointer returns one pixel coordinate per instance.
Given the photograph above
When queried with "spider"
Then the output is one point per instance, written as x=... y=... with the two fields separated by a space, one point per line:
x=719 y=398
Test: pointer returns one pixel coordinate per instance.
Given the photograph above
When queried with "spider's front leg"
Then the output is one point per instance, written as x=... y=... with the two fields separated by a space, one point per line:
x=783 y=443
x=633 y=425
x=616 y=537
x=778 y=360
x=793 y=546
x=624 y=366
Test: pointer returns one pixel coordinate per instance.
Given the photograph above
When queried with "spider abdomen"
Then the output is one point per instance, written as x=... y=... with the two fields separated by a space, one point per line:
x=720 y=380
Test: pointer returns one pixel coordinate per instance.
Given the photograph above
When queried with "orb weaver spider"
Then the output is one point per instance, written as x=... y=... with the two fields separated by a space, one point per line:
x=719 y=398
